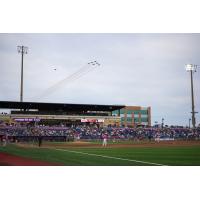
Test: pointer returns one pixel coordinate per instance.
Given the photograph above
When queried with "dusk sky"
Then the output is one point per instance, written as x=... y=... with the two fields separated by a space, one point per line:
x=136 y=69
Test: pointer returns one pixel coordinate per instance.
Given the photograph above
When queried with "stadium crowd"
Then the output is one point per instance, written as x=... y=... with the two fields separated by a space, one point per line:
x=93 y=131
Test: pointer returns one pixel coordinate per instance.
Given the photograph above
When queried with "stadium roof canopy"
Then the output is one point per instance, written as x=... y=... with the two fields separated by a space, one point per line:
x=57 y=106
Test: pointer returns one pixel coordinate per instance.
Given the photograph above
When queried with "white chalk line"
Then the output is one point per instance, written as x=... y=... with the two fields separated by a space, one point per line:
x=111 y=157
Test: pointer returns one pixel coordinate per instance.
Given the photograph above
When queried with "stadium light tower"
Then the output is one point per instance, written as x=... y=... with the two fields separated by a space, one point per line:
x=163 y=122
x=22 y=50
x=192 y=68
x=189 y=122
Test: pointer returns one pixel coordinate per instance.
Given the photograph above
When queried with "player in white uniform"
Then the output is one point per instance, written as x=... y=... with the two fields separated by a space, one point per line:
x=5 y=139
x=158 y=137
x=104 y=140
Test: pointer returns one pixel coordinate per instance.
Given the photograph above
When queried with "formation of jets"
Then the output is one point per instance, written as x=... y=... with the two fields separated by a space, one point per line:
x=90 y=63
x=94 y=63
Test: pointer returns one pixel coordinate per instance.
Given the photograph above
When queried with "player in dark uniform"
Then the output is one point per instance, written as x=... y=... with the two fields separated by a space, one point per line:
x=40 y=140
x=1 y=139
x=149 y=136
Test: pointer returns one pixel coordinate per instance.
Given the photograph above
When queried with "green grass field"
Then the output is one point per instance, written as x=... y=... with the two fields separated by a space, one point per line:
x=129 y=156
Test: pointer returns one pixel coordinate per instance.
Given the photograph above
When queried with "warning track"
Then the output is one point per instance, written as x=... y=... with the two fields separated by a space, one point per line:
x=12 y=160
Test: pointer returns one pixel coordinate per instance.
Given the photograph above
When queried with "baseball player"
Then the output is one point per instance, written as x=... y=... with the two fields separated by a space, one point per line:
x=5 y=139
x=104 y=144
x=158 y=137
x=40 y=140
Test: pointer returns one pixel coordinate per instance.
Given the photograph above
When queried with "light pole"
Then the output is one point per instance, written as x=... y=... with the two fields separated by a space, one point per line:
x=192 y=68
x=162 y=122
x=22 y=50
x=189 y=122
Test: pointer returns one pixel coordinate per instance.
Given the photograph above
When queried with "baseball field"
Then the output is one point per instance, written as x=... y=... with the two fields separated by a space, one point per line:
x=173 y=153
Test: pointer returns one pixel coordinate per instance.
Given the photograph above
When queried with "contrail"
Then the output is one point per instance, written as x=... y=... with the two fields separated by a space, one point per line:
x=82 y=71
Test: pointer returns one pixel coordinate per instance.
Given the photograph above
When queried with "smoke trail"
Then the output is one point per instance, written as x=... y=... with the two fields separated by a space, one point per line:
x=82 y=71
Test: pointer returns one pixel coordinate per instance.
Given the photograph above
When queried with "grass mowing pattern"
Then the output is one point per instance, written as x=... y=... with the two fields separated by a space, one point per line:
x=162 y=155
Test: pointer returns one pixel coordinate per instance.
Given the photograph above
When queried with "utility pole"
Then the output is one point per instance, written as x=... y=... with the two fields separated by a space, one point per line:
x=22 y=50
x=192 y=69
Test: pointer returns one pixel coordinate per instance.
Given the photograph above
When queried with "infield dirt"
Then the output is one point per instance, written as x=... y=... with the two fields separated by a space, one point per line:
x=83 y=144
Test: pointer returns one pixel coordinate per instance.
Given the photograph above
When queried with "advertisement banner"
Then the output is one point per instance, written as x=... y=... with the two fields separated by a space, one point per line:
x=27 y=119
x=93 y=120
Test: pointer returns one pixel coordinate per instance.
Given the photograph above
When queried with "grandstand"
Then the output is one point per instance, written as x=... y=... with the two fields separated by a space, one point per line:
x=61 y=113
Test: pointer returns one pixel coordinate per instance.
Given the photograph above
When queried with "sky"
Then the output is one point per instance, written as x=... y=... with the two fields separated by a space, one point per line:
x=135 y=69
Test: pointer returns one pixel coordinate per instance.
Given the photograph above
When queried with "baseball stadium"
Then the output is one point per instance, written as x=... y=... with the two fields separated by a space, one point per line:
x=36 y=133
x=57 y=134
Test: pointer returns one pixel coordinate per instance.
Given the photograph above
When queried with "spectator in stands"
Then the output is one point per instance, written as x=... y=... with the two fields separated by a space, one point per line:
x=90 y=132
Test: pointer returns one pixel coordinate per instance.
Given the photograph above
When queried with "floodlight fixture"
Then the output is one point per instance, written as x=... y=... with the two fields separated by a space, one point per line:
x=22 y=49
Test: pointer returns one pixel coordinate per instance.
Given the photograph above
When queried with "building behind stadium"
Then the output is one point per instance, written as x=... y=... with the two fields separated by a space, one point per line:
x=72 y=114
x=131 y=116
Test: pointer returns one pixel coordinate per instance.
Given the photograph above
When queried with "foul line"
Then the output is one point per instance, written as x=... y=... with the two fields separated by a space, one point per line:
x=116 y=158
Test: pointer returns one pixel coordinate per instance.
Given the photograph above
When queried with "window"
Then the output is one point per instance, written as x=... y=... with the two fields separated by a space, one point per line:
x=136 y=112
x=122 y=111
x=129 y=119
x=143 y=112
x=136 y=119
x=144 y=119
x=129 y=111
